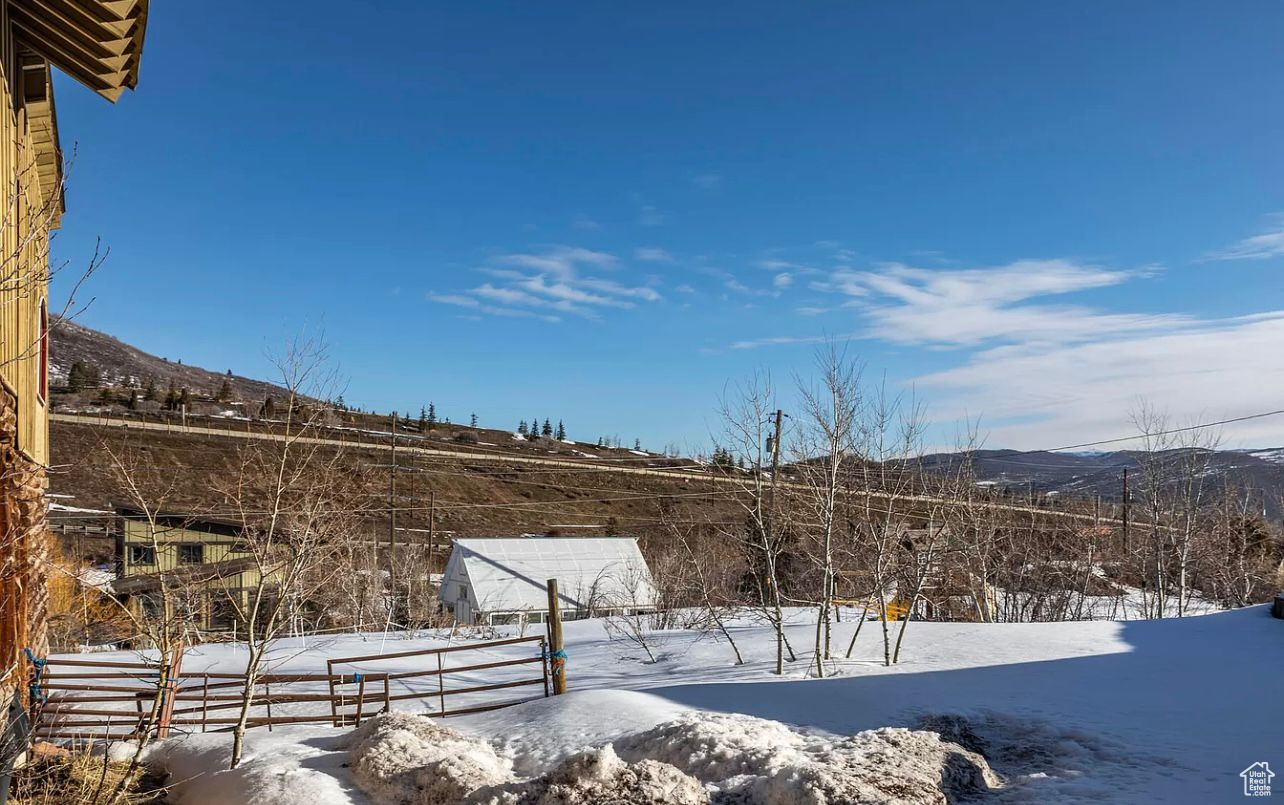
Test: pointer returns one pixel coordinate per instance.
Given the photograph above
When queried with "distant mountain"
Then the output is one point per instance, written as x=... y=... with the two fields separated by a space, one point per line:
x=1260 y=470
x=123 y=366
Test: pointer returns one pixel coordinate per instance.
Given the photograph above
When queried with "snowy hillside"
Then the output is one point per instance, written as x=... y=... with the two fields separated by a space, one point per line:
x=1097 y=711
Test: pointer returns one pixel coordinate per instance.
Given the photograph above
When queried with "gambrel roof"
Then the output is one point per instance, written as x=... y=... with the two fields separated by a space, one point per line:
x=509 y=573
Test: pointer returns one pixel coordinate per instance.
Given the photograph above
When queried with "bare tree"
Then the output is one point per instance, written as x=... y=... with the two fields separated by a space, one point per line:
x=166 y=614
x=295 y=515
x=823 y=445
x=889 y=438
x=746 y=415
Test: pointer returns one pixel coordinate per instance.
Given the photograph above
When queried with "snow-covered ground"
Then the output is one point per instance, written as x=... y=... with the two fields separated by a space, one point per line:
x=1134 y=711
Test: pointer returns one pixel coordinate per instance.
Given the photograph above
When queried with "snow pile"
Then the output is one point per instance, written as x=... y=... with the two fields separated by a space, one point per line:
x=288 y=767
x=600 y=776
x=889 y=765
x=714 y=746
x=540 y=734
x=403 y=759
x=754 y=761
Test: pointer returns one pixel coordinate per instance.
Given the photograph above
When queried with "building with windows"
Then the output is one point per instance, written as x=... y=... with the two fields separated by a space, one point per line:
x=502 y=580
x=204 y=563
x=99 y=43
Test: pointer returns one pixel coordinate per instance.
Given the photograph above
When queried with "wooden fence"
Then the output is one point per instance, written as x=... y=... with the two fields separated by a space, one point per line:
x=87 y=701
x=340 y=700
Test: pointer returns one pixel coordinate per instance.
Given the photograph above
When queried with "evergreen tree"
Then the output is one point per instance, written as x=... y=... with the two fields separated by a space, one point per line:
x=133 y=399
x=637 y=444
x=423 y=419
x=432 y=415
x=521 y=427
x=185 y=398
x=561 y=431
x=149 y=394
x=269 y=407
x=105 y=395
x=472 y=423
x=224 y=391
x=547 y=430
x=535 y=428
x=82 y=376
x=171 y=398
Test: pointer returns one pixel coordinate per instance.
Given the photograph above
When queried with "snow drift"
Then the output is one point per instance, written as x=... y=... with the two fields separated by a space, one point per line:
x=402 y=759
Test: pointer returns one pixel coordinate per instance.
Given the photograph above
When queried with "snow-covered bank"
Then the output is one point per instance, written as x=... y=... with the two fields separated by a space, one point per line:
x=1105 y=711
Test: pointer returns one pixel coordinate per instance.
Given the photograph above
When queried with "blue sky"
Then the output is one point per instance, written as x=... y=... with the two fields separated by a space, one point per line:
x=1030 y=213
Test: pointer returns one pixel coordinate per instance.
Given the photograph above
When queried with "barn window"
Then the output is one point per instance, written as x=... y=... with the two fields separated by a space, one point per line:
x=189 y=554
x=142 y=555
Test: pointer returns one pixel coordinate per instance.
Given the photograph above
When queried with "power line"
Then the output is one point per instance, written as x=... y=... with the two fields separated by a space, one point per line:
x=1151 y=434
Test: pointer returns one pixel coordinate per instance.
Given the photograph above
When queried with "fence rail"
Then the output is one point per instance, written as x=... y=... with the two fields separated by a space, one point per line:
x=87 y=701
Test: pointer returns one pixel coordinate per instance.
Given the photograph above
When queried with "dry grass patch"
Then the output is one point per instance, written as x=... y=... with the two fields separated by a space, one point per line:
x=82 y=779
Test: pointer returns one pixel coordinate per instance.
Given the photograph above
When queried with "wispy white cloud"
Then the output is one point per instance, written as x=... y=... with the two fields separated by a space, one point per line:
x=945 y=307
x=561 y=261
x=707 y=181
x=1034 y=395
x=786 y=340
x=652 y=254
x=783 y=280
x=459 y=300
x=1042 y=373
x=582 y=221
x=1258 y=247
x=550 y=282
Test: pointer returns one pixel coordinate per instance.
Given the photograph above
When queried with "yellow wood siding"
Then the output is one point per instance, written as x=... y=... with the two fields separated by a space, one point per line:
x=23 y=258
x=168 y=559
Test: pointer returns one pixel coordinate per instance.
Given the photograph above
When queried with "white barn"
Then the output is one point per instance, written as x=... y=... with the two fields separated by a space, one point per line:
x=499 y=580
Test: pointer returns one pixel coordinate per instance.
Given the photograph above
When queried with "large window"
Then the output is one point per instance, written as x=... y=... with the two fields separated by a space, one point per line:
x=142 y=555
x=189 y=554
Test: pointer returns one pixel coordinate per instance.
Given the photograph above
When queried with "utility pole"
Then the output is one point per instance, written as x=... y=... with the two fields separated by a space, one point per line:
x=775 y=470
x=771 y=543
x=392 y=508
x=432 y=532
x=1126 y=502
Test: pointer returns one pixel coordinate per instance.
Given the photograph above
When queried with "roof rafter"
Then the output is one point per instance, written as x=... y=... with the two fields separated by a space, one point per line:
x=99 y=43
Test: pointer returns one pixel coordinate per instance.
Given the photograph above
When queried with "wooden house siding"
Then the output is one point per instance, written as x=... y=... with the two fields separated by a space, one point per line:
x=228 y=575
x=98 y=42
x=23 y=249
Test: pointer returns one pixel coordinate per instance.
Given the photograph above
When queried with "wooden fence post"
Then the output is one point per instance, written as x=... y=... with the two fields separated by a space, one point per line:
x=556 y=654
